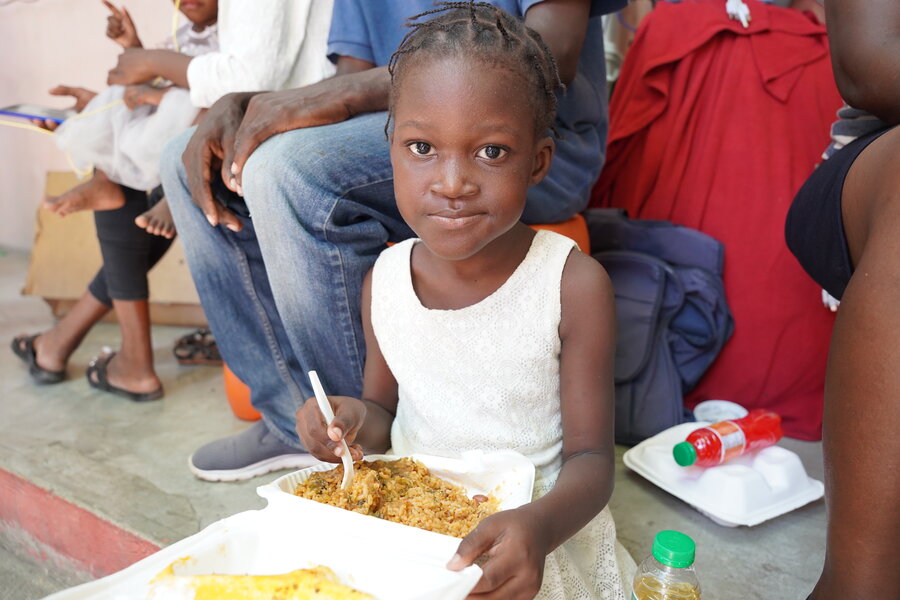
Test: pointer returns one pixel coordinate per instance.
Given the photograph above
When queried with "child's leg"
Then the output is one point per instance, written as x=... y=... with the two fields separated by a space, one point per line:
x=131 y=368
x=54 y=347
x=128 y=254
x=97 y=193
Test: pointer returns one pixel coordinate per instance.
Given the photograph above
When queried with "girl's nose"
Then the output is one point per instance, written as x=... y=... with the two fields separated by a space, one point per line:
x=453 y=181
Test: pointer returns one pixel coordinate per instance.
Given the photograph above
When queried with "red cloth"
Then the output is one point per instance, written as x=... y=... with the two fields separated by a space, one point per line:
x=716 y=127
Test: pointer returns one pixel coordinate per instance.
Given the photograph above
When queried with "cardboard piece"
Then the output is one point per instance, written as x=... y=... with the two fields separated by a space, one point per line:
x=66 y=256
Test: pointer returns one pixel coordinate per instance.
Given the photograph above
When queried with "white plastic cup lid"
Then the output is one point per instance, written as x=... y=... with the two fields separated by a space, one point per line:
x=718 y=410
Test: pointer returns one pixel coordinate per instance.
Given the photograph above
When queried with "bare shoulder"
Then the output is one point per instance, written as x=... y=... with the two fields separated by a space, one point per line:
x=586 y=294
x=584 y=276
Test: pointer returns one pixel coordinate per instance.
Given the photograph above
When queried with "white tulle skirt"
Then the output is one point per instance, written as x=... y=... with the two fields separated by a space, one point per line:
x=125 y=144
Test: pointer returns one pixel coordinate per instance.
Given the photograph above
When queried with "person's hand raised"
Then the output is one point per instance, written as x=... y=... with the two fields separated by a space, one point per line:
x=120 y=28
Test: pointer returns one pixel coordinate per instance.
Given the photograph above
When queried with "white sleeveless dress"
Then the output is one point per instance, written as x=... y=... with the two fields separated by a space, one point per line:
x=487 y=377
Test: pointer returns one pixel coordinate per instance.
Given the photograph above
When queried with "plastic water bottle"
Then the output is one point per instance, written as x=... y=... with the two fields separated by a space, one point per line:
x=712 y=445
x=668 y=573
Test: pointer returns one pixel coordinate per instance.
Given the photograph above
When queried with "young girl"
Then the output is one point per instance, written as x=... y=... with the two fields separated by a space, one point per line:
x=481 y=333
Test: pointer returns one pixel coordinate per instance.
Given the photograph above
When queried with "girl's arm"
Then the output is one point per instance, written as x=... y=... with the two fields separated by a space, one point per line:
x=137 y=65
x=365 y=424
x=519 y=540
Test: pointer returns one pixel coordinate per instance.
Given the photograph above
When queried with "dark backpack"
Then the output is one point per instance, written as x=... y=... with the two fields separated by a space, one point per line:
x=671 y=314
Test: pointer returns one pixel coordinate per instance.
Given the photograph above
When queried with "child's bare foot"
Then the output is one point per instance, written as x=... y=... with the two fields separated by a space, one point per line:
x=158 y=220
x=98 y=193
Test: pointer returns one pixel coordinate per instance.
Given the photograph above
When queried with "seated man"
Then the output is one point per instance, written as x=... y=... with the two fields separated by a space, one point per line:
x=285 y=226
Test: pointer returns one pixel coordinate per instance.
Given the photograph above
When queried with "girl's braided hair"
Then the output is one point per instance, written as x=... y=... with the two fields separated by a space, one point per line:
x=490 y=34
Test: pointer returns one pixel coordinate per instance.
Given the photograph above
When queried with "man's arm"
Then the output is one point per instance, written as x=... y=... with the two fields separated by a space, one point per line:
x=358 y=88
x=562 y=25
x=239 y=123
x=865 y=45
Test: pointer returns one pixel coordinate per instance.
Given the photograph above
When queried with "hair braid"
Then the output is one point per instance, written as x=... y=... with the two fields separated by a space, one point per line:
x=481 y=29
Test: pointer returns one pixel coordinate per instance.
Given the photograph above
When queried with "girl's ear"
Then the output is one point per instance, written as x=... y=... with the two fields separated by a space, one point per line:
x=543 y=155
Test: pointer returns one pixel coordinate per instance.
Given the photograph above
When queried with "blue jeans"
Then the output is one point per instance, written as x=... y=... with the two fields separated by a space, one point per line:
x=283 y=296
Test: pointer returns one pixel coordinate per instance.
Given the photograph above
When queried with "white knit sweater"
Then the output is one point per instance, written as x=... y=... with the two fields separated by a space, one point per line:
x=264 y=45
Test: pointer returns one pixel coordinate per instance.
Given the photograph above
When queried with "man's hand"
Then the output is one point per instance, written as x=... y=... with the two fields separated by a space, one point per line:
x=143 y=95
x=276 y=112
x=357 y=88
x=212 y=147
x=120 y=28
x=81 y=95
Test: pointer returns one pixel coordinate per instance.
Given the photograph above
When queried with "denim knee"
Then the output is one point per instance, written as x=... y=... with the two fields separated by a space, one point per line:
x=171 y=165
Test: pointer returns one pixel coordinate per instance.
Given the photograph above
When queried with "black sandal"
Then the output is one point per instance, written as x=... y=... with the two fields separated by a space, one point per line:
x=96 y=376
x=23 y=347
x=197 y=348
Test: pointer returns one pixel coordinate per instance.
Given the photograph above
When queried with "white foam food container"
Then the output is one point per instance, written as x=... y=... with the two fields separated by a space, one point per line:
x=747 y=490
x=388 y=560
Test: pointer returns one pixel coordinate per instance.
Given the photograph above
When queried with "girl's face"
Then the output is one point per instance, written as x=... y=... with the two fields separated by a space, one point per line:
x=200 y=12
x=464 y=153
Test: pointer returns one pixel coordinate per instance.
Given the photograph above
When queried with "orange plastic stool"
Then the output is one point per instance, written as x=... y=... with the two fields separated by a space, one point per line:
x=238 y=395
x=574 y=229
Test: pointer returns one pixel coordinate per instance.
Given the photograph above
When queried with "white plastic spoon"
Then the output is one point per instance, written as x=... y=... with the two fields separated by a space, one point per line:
x=328 y=413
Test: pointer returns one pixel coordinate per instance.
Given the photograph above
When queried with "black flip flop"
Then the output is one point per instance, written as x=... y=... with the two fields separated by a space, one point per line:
x=23 y=347
x=197 y=348
x=98 y=367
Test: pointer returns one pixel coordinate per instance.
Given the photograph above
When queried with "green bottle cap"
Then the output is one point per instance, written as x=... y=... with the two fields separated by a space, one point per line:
x=684 y=454
x=673 y=549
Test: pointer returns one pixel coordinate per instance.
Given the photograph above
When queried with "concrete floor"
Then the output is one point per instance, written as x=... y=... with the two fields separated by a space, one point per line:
x=126 y=462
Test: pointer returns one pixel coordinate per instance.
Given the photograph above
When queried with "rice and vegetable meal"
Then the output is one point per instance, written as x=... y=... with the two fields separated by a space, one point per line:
x=402 y=491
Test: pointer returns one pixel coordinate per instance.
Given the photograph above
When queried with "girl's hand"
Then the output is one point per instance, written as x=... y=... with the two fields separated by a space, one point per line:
x=324 y=444
x=120 y=28
x=143 y=95
x=134 y=66
x=516 y=545
x=81 y=95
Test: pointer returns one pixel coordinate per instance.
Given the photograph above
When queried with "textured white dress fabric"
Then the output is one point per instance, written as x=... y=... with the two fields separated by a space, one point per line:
x=126 y=144
x=487 y=377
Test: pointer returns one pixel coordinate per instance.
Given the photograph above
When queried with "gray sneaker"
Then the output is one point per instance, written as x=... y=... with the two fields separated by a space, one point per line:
x=250 y=453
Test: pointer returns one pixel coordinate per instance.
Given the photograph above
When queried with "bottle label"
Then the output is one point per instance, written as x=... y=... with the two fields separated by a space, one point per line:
x=732 y=437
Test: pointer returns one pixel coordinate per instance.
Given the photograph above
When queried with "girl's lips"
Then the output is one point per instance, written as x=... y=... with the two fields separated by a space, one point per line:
x=455 y=220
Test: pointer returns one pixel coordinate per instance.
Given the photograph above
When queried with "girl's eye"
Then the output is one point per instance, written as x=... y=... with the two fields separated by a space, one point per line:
x=420 y=148
x=491 y=152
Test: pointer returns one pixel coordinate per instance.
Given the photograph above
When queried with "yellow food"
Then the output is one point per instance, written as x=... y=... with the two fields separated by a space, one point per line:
x=318 y=583
x=402 y=491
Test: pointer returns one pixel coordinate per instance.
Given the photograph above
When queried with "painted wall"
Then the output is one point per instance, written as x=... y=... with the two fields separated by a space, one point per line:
x=44 y=43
